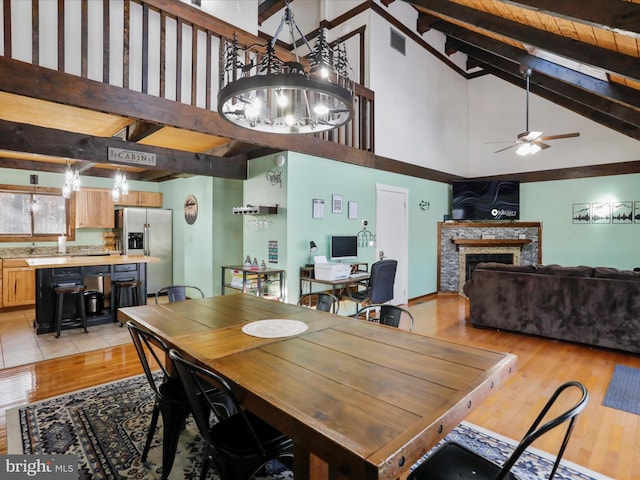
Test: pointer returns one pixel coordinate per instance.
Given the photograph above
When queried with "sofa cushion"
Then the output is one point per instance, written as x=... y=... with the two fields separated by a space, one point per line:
x=507 y=267
x=616 y=274
x=554 y=269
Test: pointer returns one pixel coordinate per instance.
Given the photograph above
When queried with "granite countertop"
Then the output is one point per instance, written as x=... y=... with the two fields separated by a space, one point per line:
x=27 y=252
x=87 y=260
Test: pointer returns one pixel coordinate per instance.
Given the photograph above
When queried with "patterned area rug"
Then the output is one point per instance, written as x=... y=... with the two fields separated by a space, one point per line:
x=106 y=427
x=623 y=392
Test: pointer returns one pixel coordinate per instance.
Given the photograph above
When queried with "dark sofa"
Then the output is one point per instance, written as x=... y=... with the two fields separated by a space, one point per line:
x=597 y=306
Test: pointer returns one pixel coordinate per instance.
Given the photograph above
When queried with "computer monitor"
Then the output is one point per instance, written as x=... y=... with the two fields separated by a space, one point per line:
x=344 y=247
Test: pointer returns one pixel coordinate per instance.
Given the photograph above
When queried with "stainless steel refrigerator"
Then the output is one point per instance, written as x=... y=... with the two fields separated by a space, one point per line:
x=149 y=231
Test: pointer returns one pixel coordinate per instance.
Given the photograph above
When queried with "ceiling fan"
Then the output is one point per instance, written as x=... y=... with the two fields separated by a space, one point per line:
x=530 y=142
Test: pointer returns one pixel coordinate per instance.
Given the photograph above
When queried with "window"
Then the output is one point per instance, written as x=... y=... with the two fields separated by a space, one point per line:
x=28 y=215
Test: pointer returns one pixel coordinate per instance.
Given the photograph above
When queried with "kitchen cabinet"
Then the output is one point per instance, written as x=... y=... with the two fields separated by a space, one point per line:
x=140 y=199
x=18 y=283
x=94 y=208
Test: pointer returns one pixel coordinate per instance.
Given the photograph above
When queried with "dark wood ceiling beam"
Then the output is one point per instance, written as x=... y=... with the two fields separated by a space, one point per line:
x=598 y=94
x=19 y=137
x=268 y=8
x=548 y=88
x=425 y=22
x=32 y=81
x=620 y=17
x=597 y=57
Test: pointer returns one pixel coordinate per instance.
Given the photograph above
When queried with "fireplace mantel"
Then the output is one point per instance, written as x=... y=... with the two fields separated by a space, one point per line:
x=490 y=242
x=522 y=239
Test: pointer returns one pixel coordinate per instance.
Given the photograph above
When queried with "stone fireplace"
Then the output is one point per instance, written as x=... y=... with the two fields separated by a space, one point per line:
x=462 y=245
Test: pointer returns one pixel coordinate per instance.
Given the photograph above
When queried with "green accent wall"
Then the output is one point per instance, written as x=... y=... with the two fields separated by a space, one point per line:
x=568 y=243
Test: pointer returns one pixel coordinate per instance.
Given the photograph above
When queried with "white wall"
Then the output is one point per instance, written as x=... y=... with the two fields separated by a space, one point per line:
x=421 y=105
x=497 y=113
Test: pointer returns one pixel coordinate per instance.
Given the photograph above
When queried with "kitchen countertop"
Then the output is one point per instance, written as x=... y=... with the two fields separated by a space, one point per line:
x=26 y=252
x=87 y=260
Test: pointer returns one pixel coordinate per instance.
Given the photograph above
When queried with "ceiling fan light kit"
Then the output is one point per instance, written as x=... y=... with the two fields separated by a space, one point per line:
x=531 y=142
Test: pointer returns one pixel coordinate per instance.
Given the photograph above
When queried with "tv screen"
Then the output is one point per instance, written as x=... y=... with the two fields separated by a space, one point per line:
x=486 y=200
x=344 y=247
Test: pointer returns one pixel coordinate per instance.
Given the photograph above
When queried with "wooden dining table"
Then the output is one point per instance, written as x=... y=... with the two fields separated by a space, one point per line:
x=359 y=399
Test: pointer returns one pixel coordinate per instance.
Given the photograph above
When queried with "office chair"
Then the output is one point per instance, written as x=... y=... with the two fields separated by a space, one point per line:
x=379 y=285
x=322 y=301
x=170 y=398
x=238 y=444
x=384 y=314
x=177 y=293
x=454 y=461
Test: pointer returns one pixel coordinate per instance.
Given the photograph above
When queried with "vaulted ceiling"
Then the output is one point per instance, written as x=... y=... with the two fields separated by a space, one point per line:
x=584 y=55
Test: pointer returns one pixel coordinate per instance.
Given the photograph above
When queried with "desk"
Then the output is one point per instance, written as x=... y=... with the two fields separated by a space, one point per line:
x=364 y=399
x=307 y=275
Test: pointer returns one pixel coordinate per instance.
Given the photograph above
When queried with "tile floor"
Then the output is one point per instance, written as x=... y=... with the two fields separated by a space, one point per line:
x=19 y=344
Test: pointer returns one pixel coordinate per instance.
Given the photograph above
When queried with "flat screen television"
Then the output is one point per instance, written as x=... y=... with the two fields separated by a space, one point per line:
x=485 y=200
x=343 y=247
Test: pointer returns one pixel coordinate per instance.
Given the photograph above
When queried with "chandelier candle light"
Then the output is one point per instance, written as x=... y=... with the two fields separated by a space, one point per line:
x=120 y=185
x=274 y=96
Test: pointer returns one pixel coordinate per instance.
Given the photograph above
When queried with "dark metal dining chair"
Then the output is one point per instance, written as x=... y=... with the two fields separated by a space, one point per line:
x=178 y=293
x=379 y=285
x=238 y=442
x=326 y=302
x=454 y=461
x=385 y=314
x=170 y=399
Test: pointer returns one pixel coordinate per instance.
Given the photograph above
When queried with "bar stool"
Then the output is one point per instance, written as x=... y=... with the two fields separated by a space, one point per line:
x=127 y=294
x=74 y=292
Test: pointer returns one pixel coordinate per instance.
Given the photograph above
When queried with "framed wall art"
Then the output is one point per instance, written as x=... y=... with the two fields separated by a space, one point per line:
x=336 y=203
x=581 y=213
x=318 y=208
x=600 y=213
x=622 y=212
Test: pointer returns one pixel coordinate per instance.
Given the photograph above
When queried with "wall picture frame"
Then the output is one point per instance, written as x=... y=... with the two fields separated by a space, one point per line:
x=317 y=208
x=581 y=213
x=622 y=212
x=336 y=203
x=352 y=210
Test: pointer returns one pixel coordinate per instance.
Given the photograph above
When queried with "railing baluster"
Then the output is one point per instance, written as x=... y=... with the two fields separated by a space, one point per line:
x=145 y=48
x=179 y=61
x=125 y=46
x=194 y=64
x=163 y=54
x=6 y=15
x=35 y=32
x=106 y=41
x=84 y=39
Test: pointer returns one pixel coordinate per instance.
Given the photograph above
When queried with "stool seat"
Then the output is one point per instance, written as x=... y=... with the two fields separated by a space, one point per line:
x=75 y=291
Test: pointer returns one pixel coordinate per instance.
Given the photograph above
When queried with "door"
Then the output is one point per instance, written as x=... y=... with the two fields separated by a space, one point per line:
x=159 y=243
x=392 y=235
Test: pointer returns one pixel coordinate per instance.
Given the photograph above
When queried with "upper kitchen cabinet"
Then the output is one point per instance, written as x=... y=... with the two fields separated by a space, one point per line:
x=140 y=199
x=94 y=208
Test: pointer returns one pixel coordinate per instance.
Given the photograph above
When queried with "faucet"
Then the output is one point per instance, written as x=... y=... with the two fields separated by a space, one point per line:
x=32 y=250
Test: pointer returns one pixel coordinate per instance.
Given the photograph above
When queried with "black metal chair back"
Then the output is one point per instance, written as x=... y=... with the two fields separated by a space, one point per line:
x=170 y=399
x=177 y=293
x=322 y=301
x=456 y=461
x=238 y=442
x=385 y=314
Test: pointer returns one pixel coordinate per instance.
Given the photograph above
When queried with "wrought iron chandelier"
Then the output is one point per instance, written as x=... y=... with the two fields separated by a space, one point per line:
x=274 y=96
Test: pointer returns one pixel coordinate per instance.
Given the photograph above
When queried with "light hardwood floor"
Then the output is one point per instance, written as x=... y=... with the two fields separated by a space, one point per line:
x=605 y=439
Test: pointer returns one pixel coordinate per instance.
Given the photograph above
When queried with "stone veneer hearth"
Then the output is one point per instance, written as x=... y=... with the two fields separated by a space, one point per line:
x=457 y=239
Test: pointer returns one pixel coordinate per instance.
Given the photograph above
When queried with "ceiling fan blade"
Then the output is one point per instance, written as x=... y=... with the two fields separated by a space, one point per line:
x=562 y=135
x=542 y=145
x=506 y=148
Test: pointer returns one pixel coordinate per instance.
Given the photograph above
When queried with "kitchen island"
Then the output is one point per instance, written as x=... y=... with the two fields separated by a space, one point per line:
x=97 y=273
